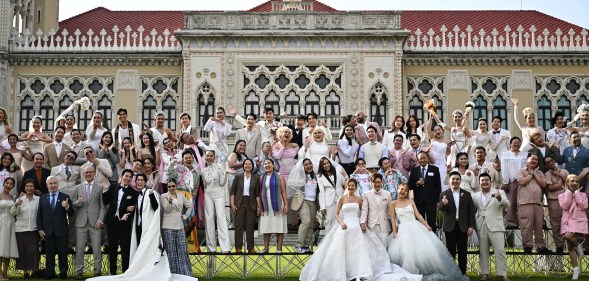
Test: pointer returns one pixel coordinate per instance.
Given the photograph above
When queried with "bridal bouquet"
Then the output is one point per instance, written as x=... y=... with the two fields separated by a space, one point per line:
x=469 y=105
x=84 y=103
x=430 y=105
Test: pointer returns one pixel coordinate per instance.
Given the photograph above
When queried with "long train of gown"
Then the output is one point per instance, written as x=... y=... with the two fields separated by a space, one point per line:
x=420 y=251
x=349 y=254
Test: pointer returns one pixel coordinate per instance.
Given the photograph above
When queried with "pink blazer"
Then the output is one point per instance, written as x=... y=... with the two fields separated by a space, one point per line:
x=574 y=218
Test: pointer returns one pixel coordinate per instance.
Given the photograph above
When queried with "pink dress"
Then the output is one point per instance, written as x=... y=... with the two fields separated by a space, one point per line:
x=574 y=218
x=286 y=159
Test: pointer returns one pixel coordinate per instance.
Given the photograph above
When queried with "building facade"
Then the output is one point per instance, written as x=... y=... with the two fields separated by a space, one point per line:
x=293 y=56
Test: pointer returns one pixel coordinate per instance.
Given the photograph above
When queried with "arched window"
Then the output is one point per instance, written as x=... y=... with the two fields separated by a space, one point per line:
x=479 y=111
x=27 y=111
x=169 y=109
x=64 y=104
x=252 y=104
x=416 y=109
x=47 y=112
x=272 y=100
x=332 y=109
x=439 y=107
x=292 y=103
x=206 y=108
x=544 y=113
x=312 y=103
x=105 y=106
x=500 y=109
x=84 y=118
x=378 y=104
x=149 y=109
x=564 y=106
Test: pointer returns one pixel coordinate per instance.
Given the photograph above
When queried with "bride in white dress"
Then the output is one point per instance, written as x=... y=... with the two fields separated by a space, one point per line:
x=412 y=237
x=346 y=253
x=149 y=261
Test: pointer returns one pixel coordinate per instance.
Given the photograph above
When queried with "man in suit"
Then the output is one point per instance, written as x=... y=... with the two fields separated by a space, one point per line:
x=90 y=213
x=490 y=204
x=125 y=129
x=500 y=138
x=68 y=176
x=425 y=182
x=55 y=152
x=251 y=136
x=121 y=200
x=361 y=125
x=78 y=147
x=54 y=207
x=297 y=130
x=540 y=149
x=245 y=202
x=103 y=170
x=186 y=127
x=38 y=174
x=409 y=156
x=481 y=166
x=375 y=210
x=459 y=218
x=264 y=126
x=576 y=158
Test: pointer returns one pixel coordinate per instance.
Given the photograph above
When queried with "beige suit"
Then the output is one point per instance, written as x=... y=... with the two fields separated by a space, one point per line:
x=51 y=157
x=488 y=168
x=491 y=228
x=375 y=213
x=253 y=143
x=103 y=171
x=79 y=149
x=90 y=211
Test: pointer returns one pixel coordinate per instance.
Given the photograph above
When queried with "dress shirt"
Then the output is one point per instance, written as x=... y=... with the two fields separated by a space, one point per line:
x=26 y=214
x=246 y=184
x=58 y=146
x=510 y=164
x=119 y=198
x=456 y=195
x=347 y=152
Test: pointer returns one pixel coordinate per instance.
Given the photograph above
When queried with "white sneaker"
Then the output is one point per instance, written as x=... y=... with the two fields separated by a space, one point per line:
x=576 y=272
x=579 y=250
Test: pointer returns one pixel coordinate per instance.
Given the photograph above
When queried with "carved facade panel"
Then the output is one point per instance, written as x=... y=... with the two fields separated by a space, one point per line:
x=127 y=80
x=458 y=80
x=522 y=80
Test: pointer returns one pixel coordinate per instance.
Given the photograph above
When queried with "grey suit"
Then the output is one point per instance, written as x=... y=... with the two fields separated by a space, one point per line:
x=90 y=211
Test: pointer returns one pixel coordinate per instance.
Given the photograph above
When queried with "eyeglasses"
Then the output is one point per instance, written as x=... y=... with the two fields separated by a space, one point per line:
x=69 y=156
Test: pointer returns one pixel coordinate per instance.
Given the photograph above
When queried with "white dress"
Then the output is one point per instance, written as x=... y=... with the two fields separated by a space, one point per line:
x=349 y=254
x=148 y=261
x=439 y=150
x=272 y=222
x=484 y=140
x=36 y=146
x=412 y=241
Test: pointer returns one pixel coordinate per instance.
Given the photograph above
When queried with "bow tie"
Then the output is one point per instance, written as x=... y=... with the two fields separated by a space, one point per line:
x=377 y=193
x=496 y=132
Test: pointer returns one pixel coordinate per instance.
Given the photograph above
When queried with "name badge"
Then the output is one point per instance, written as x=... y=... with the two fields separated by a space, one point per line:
x=430 y=174
x=129 y=197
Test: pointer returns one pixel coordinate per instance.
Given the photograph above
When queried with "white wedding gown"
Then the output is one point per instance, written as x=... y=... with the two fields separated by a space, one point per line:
x=420 y=251
x=148 y=262
x=345 y=255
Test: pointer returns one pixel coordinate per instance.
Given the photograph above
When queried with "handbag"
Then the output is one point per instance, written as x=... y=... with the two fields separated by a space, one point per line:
x=297 y=201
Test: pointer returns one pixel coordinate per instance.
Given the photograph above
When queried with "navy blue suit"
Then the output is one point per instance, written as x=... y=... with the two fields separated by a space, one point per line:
x=53 y=221
x=426 y=196
x=575 y=165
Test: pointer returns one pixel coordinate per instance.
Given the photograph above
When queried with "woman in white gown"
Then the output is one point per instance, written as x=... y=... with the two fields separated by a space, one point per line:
x=412 y=237
x=441 y=148
x=346 y=253
x=149 y=260
x=529 y=128
x=36 y=139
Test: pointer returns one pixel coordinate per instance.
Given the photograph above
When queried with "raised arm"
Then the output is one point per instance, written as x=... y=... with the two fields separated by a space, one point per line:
x=515 y=116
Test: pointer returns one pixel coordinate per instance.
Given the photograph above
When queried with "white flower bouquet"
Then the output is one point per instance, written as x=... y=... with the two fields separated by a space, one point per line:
x=469 y=105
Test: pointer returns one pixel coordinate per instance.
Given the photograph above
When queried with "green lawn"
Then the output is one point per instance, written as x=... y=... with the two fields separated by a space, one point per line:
x=472 y=277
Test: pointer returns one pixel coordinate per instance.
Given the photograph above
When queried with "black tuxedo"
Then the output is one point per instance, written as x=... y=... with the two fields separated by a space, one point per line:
x=41 y=186
x=456 y=230
x=119 y=231
x=426 y=196
x=53 y=221
x=297 y=137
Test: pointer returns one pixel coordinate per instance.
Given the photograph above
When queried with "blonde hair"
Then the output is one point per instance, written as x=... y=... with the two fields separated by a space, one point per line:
x=280 y=132
x=569 y=178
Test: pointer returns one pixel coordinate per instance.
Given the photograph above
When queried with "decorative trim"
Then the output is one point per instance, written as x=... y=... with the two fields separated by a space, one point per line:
x=458 y=80
x=522 y=80
x=96 y=60
x=411 y=58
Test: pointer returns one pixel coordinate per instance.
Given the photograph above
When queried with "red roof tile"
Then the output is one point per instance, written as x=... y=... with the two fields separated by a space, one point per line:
x=317 y=7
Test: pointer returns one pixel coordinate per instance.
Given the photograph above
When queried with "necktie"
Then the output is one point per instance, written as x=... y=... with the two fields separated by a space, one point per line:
x=575 y=150
x=423 y=173
x=416 y=152
x=68 y=174
x=53 y=201
x=88 y=190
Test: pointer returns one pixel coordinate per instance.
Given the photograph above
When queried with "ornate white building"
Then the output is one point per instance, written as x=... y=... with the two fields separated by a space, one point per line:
x=294 y=56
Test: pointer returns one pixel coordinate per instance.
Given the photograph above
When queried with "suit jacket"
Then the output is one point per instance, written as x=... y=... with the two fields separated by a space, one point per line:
x=103 y=171
x=466 y=216
x=253 y=144
x=111 y=197
x=361 y=136
x=430 y=192
x=79 y=149
x=135 y=137
x=328 y=193
x=65 y=185
x=551 y=151
x=297 y=137
x=51 y=157
x=502 y=146
x=575 y=165
x=409 y=160
x=30 y=174
x=488 y=167
x=92 y=208
x=194 y=132
x=54 y=221
x=254 y=191
x=490 y=214
x=375 y=212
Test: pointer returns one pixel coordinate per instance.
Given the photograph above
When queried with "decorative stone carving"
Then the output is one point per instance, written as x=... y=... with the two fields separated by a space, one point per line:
x=458 y=80
x=522 y=80
x=128 y=80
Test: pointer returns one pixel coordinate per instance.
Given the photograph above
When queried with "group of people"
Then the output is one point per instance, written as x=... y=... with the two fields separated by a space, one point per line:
x=373 y=190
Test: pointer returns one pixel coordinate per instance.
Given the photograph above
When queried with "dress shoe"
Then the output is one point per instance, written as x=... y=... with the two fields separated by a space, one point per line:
x=252 y=252
x=528 y=250
x=63 y=276
x=49 y=277
x=576 y=272
x=504 y=278
x=559 y=250
x=545 y=251
x=238 y=251
x=79 y=276
x=484 y=277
